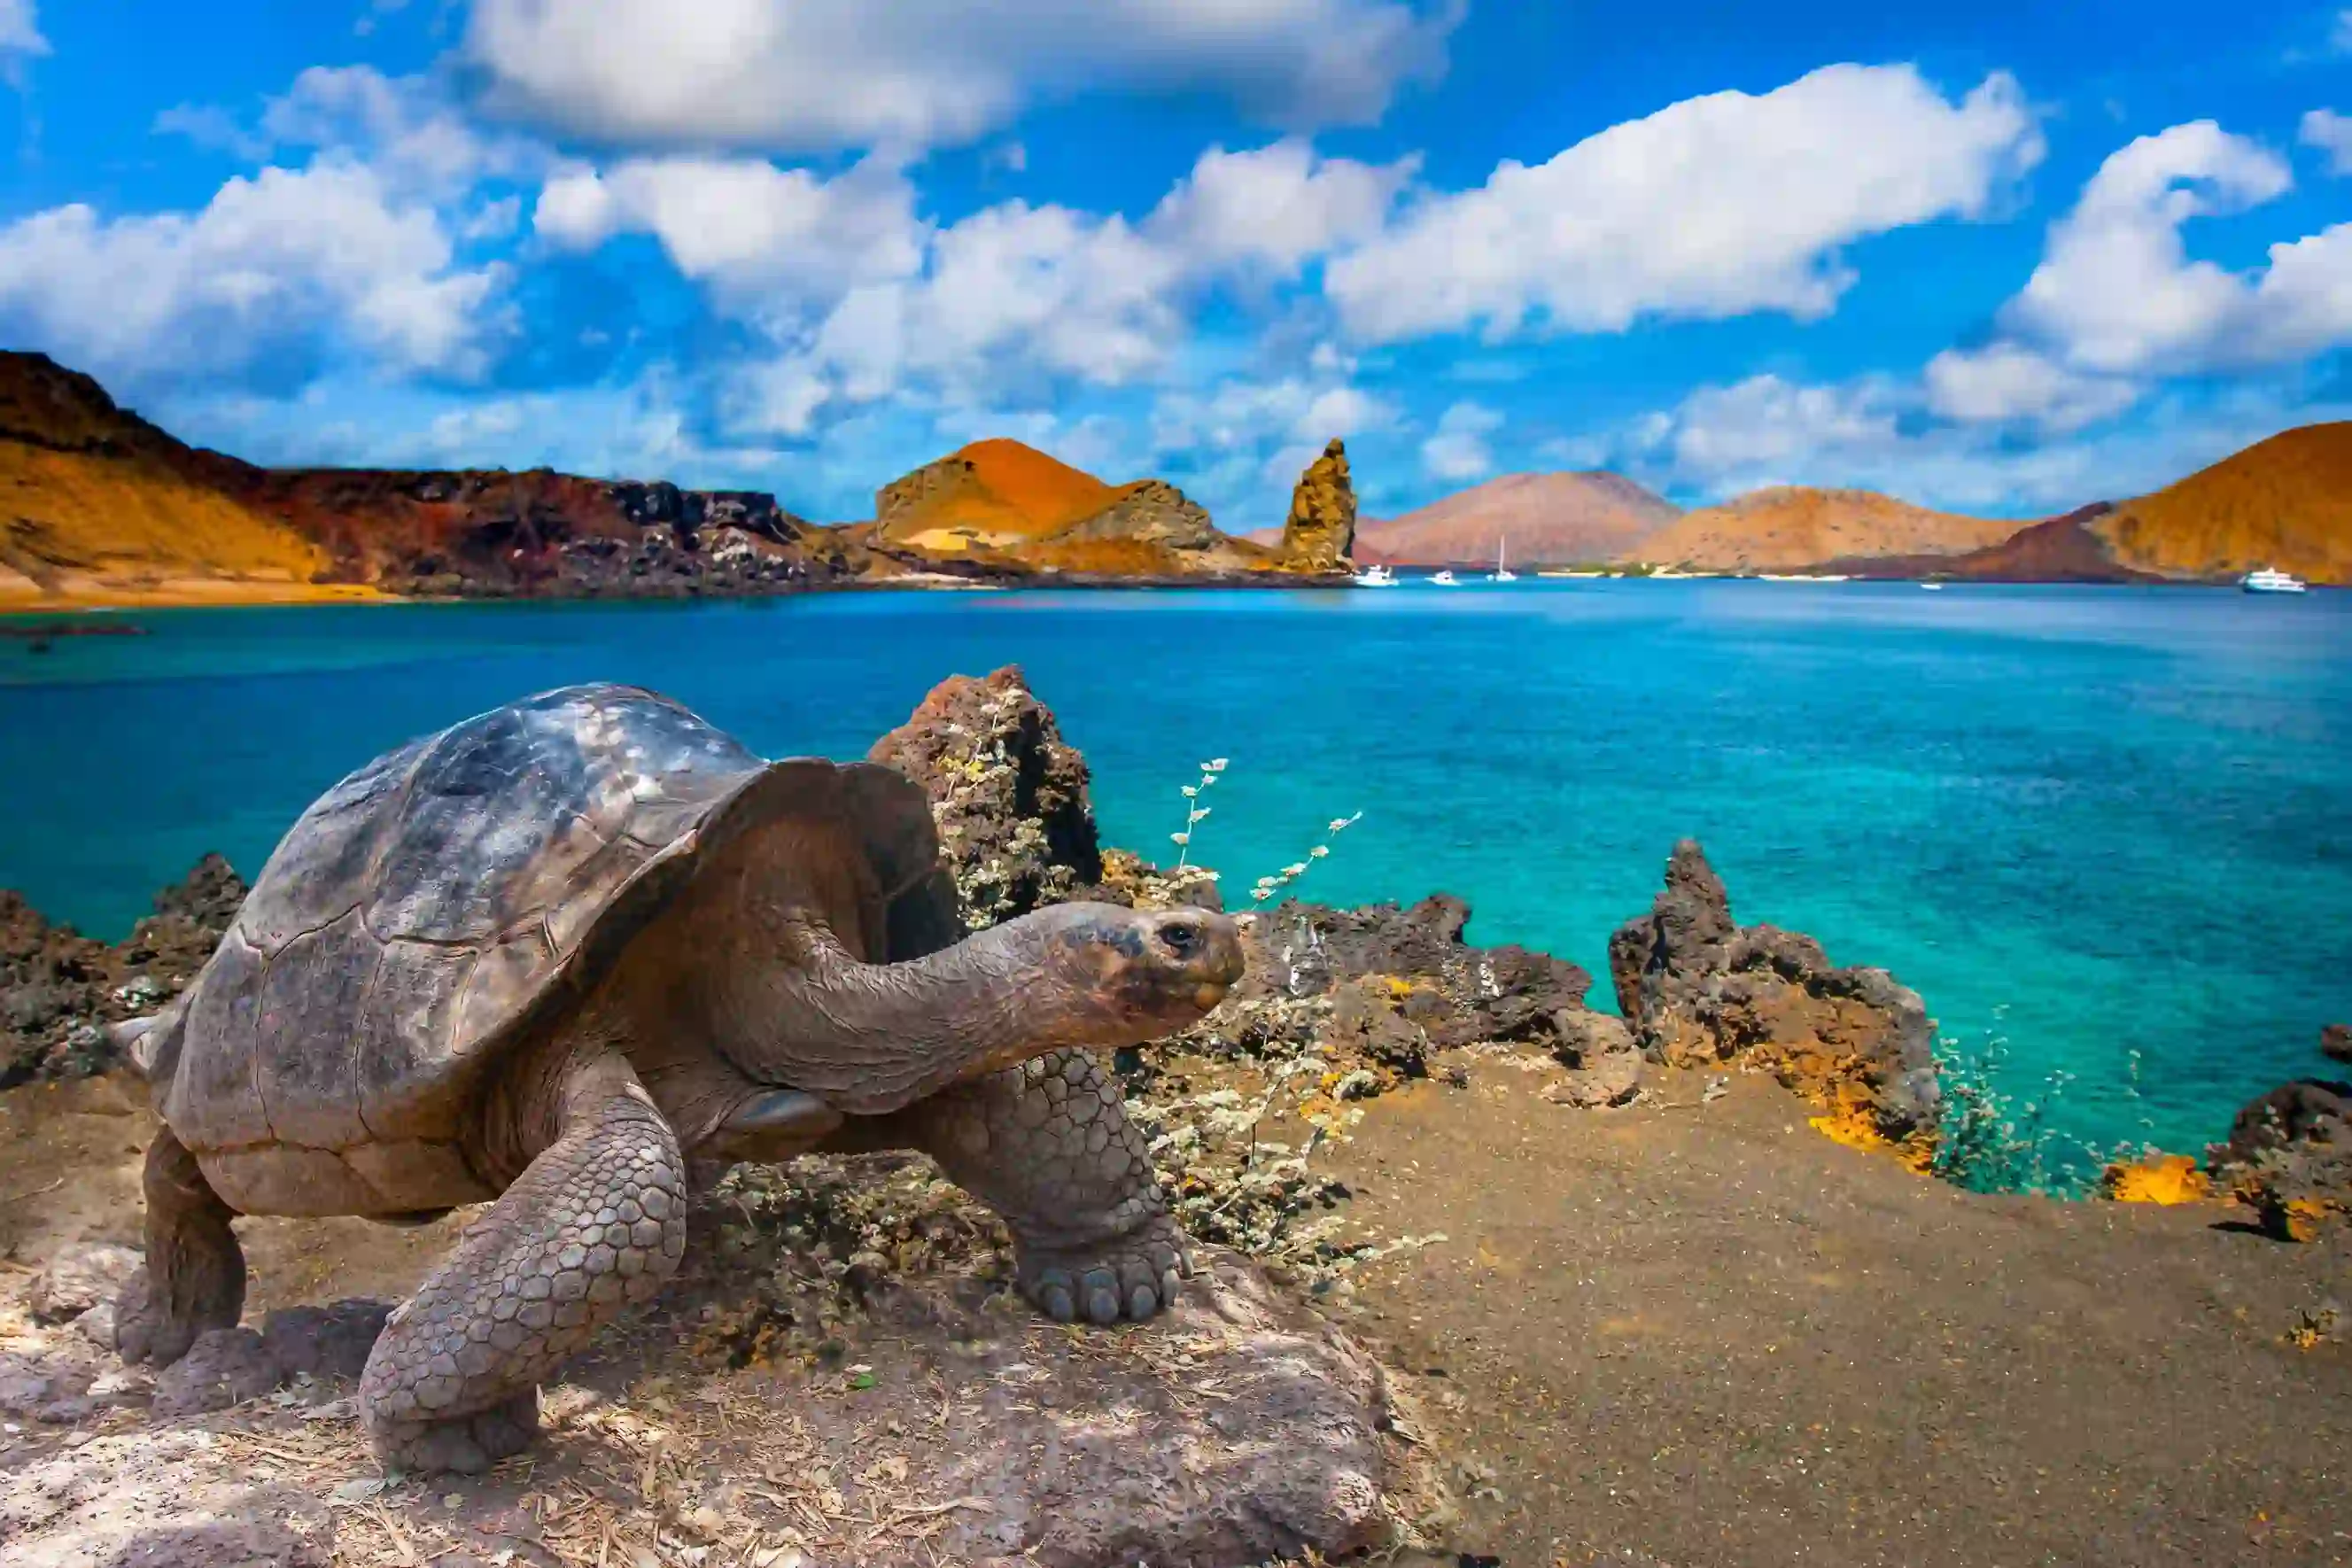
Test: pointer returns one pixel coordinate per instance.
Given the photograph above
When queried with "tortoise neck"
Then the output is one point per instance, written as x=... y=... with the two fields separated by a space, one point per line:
x=869 y=1038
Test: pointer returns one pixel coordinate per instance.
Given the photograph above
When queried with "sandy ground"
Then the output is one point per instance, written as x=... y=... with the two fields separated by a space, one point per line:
x=74 y=593
x=1704 y=1335
x=885 y=1400
x=20 y=594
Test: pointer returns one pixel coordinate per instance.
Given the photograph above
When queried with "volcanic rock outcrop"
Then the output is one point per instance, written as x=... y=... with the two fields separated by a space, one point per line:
x=2289 y=1153
x=1008 y=795
x=1698 y=989
x=58 y=988
x=1320 y=532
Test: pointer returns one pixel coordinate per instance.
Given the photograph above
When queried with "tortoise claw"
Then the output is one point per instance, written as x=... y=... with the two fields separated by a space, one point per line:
x=1131 y=1277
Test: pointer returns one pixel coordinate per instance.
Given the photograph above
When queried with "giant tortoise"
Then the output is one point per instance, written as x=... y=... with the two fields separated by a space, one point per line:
x=561 y=953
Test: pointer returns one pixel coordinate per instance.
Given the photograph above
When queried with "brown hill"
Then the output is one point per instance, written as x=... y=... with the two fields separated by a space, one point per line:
x=98 y=506
x=1791 y=526
x=2058 y=550
x=2284 y=503
x=1547 y=519
x=1003 y=505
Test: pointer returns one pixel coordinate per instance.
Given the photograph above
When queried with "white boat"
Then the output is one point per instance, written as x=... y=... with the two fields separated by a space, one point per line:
x=1501 y=573
x=2270 y=580
x=1444 y=579
x=1933 y=587
x=1376 y=577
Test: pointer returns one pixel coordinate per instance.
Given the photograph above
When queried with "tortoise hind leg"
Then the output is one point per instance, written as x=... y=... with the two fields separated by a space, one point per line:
x=195 y=1275
x=595 y=1222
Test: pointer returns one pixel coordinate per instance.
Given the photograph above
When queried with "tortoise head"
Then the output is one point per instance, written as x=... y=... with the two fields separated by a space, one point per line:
x=1130 y=975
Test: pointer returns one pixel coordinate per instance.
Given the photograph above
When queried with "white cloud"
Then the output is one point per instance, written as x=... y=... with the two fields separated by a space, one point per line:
x=2332 y=133
x=406 y=127
x=1764 y=428
x=281 y=262
x=821 y=75
x=862 y=299
x=1459 y=450
x=210 y=126
x=1712 y=207
x=2007 y=381
x=20 y=32
x=2116 y=292
x=1277 y=207
x=1343 y=411
x=760 y=235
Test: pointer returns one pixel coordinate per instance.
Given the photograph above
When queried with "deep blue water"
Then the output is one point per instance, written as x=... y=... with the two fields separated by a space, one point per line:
x=2090 y=821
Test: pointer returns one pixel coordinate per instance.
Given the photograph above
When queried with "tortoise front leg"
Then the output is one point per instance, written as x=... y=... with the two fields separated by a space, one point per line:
x=595 y=1222
x=1047 y=1144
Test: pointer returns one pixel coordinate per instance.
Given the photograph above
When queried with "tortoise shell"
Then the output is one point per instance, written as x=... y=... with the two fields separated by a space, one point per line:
x=441 y=903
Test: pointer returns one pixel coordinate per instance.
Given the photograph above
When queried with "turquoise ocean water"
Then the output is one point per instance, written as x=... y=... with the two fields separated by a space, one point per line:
x=2089 y=822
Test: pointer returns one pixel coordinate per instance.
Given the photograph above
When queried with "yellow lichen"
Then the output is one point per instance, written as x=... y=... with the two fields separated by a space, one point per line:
x=2302 y=1218
x=2158 y=1179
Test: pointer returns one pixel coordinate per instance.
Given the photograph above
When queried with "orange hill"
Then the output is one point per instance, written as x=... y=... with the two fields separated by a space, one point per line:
x=96 y=506
x=1001 y=503
x=1558 y=519
x=1793 y=526
x=2284 y=503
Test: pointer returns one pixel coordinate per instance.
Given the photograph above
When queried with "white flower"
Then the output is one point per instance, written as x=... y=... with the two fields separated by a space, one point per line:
x=1214 y=765
x=1191 y=789
x=1198 y=814
x=1298 y=870
x=1319 y=851
x=1208 y=780
x=1340 y=824
x=1179 y=838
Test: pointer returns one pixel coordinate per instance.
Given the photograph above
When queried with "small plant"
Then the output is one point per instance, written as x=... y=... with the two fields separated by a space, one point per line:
x=1268 y=886
x=1987 y=1146
x=1196 y=811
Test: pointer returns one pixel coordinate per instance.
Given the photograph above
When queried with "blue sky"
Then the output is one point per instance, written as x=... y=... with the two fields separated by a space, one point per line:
x=2003 y=258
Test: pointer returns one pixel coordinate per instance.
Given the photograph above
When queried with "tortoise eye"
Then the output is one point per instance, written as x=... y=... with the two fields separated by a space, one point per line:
x=1181 y=936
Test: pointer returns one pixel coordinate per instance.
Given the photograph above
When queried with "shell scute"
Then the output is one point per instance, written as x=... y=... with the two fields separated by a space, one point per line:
x=312 y=1001
x=409 y=1079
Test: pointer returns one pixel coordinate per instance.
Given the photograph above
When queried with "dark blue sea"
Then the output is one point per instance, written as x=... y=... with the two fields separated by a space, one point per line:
x=2088 y=824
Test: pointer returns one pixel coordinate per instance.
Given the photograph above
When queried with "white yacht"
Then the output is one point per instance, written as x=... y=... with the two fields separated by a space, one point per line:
x=2270 y=580
x=1501 y=573
x=1376 y=577
x=1444 y=579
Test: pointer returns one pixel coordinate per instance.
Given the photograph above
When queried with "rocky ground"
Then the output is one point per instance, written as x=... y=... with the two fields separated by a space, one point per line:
x=1489 y=1275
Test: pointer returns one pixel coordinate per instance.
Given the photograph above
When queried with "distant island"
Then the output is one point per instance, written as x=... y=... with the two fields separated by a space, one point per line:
x=104 y=508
